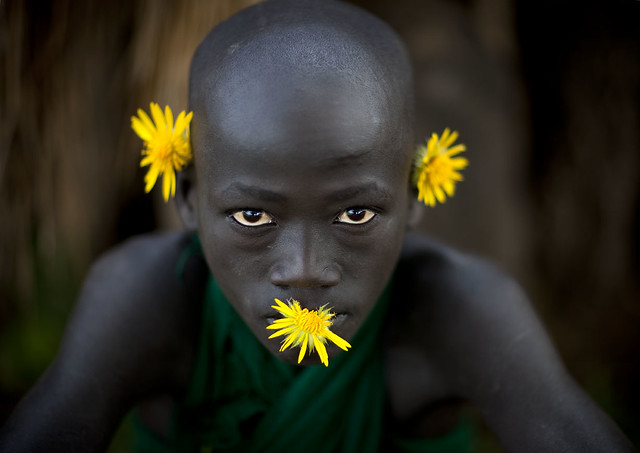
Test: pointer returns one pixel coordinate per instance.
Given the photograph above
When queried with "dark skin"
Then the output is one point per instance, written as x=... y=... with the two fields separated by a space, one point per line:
x=300 y=190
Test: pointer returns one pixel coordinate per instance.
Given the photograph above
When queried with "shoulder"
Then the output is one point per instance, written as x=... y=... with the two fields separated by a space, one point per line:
x=441 y=284
x=477 y=337
x=437 y=265
x=129 y=338
x=138 y=279
x=132 y=332
x=474 y=316
x=139 y=254
x=137 y=308
x=450 y=310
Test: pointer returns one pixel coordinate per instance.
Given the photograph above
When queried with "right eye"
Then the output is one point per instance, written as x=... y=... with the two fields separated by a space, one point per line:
x=356 y=216
x=252 y=217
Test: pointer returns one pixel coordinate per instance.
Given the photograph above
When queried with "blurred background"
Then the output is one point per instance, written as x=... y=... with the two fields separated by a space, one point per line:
x=545 y=94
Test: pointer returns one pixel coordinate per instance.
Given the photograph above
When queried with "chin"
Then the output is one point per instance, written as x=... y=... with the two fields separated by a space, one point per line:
x=291 y=357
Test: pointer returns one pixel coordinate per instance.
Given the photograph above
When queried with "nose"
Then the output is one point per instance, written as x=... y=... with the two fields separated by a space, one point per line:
x=304 y=260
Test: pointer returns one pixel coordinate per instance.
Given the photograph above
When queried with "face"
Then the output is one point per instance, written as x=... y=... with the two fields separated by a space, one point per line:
x=299 y=193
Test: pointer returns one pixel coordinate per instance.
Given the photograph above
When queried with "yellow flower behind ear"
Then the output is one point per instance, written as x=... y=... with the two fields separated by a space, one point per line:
x=167 y=146
x=436 y=170
x=305 y=328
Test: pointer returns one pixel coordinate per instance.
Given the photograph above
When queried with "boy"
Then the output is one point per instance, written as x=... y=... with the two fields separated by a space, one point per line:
x=300 y=189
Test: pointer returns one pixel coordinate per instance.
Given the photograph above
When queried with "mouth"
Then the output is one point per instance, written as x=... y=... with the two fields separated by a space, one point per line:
x=336 y=320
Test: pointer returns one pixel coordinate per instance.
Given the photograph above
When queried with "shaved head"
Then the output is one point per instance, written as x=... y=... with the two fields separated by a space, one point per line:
x=280 y=58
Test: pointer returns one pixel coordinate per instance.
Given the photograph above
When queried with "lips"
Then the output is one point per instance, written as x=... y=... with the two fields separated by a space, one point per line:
x=310 y=302
x=338 y=319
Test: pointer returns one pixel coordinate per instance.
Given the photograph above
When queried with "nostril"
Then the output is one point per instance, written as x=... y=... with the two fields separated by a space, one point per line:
x=303 y=274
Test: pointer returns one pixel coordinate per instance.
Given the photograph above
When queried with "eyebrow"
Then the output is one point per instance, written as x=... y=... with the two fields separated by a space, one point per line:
x=370 y=188
x=260 y=193
x=257 y=192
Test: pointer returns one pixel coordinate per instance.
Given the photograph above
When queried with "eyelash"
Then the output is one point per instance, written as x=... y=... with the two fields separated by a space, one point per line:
x=240 y=217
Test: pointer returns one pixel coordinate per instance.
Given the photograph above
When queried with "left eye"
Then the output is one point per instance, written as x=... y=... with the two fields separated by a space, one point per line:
x=355 y=216
x=252 y=217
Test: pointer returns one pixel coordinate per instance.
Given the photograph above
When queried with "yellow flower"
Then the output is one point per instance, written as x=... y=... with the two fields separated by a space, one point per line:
x=436 y=170
x=167 y=147
x=305 y=328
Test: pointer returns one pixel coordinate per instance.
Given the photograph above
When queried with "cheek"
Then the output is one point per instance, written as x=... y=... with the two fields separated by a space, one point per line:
x=370 y=260
x=231 y=252
x=233 y=265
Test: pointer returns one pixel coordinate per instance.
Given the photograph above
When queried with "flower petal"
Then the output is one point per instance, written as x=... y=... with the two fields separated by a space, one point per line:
x=303 y=348
x=282 y=323
x=168 y=184
x=168 y=114
x=147 y=160
x=146 y=121
x=322 y=351
x=459 y=163
x=150 y=178
x=286 y=310
x=456 y=176
x=449 y=187
x=448 y=141
x=181 y=124
x=140 y=129
x=284 y=331
x=430 y=198
x=455 y=150
x=289 y=340
x=340 y=342
x=158 y=117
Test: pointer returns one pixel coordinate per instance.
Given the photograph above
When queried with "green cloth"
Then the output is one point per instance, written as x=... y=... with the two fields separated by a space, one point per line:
x=459 y=440
x=243 y=399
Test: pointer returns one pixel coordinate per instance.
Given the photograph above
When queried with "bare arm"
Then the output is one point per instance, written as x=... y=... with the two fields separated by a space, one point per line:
x=520 y=385
x=129 y=338
x=491 y=349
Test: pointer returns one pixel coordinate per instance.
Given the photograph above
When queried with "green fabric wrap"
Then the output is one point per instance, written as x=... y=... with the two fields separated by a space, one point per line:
x=243 y=399
x=245 y=389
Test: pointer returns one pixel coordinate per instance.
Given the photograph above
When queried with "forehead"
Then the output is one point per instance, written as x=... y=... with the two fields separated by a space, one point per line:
x=260 y=121
x=271 y=110
x=264 y=103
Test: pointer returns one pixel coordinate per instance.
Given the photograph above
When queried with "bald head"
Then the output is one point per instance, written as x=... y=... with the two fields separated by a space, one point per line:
x=304 y=66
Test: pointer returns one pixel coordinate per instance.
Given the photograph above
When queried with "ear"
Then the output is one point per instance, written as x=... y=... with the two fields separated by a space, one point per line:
x=186 y=198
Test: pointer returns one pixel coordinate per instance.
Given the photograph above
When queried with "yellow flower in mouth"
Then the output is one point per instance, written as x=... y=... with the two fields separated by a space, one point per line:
x=167 y=147
x=436 y=170
x=305 y=328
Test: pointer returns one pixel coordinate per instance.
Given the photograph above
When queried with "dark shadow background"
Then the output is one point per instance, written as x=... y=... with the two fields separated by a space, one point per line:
x=545 y=94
